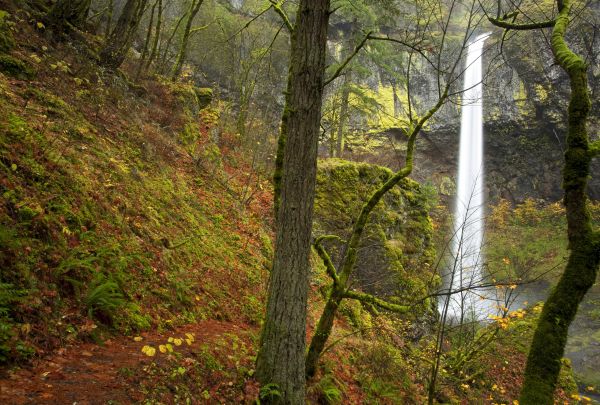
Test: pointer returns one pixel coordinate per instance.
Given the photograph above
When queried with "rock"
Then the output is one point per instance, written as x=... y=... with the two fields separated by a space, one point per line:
x=205 y=96
x=396 y=253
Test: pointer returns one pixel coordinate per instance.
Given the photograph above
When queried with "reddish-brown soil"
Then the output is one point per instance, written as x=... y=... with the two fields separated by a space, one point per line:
x=94 y=374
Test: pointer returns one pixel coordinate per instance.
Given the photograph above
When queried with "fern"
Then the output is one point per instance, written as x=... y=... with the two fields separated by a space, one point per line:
x=103 y=300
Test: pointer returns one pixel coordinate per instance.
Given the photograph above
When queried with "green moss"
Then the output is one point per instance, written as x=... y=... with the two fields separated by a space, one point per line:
x=190 y=133
x=396 y=246
x=15 y=67
x=55 y=104
x=186 y=98
x=7 y=41
x=205 y=96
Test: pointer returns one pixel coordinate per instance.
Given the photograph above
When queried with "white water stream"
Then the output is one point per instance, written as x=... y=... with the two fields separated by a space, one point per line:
x=467 y=264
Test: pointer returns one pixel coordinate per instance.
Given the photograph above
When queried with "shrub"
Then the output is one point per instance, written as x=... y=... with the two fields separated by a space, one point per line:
x=103 y=300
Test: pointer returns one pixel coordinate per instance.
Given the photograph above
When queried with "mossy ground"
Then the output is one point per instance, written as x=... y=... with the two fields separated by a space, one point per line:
x=99 y=189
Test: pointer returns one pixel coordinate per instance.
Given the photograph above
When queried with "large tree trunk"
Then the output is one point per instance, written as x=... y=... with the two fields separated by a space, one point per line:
x=283 y=342
x=181 y=55
x=69 y=13
x=547 y=348
x=119 y=40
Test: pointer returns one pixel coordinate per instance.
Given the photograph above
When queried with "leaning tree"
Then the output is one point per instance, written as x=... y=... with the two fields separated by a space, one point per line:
x=550 y=338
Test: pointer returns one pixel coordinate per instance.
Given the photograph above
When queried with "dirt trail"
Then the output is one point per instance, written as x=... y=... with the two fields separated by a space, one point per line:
x=93 y=374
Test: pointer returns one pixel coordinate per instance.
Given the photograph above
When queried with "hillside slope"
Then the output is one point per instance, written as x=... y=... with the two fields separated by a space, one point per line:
x=117 y=210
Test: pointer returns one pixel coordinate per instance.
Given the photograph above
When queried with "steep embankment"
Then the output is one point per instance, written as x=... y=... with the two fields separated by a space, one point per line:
x=117 y=209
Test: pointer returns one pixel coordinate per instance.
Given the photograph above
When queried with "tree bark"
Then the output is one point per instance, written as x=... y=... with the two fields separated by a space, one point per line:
x=118 y=42
x=147 y=41
x=181 y=55
x=154 y=51
x=280 y=359
x=547 y=348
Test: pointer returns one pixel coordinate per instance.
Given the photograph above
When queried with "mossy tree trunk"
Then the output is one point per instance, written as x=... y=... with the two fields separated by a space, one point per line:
x=165 y=51
x=280 y=359
x=66 y=14
x=158 y=31
x=547 y=348
x=147 y=41
x=181 y=55
x=109 y=16
x=118 y=42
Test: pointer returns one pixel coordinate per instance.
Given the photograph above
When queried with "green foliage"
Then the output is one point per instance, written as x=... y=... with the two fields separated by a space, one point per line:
x=269 y=392
x=93 y=203
x=103 y=300
x=7 y=41
x=328 y=390
x=9 y=298
x=526 y=241
x=15 y=67
x=205 y=96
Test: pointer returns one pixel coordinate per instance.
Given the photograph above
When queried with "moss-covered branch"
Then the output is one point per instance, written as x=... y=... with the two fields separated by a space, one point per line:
x=339 y=290
x=371 y=299
x=322 y=252
x=508 y=25
x=279 y=10
x=359 y=226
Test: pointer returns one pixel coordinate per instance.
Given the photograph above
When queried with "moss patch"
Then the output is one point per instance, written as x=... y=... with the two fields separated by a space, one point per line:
x=15 y=67
x=396 y=249
x=7 y=41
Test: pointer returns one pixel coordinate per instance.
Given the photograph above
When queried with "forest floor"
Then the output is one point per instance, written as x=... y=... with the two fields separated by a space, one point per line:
x=117 y=371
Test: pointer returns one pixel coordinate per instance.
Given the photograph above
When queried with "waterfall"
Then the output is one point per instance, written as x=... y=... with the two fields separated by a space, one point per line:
x=467 y=259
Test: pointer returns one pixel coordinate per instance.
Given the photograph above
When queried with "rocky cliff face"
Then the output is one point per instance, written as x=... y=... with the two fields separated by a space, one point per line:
x=525 y=104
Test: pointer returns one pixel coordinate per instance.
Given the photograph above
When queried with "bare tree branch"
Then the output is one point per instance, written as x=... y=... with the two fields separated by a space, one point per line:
x=339 y=70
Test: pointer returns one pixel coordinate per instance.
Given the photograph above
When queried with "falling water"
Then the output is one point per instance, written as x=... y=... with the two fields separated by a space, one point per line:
x=466 y=269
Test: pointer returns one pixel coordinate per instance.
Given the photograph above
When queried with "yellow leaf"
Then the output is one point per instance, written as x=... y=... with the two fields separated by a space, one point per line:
x=40 y=25
x=138 y=339
x=170 y=340
x=190 y=336
x=177 y=341
x=189 y=342
x=162 y=348
x=169 y=347
x=149 y=350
